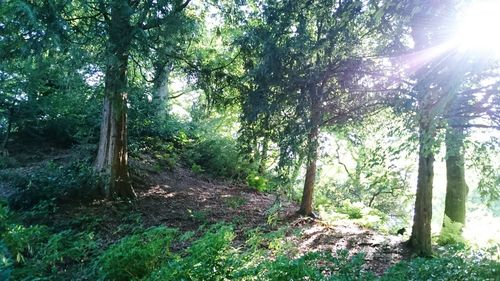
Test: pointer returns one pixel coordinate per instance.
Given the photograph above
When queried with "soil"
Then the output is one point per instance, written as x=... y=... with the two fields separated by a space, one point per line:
x=184 y=200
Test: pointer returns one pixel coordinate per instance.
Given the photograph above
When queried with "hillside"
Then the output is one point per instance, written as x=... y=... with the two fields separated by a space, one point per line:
x=181 y=199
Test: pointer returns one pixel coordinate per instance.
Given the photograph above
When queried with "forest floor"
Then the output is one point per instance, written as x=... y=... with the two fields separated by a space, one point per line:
x=181 y=199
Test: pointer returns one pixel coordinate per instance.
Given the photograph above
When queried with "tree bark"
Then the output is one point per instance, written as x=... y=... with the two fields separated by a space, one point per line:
x=263 y=154
x=456 y=187
x=3 y=147
x=312 y=157
x=112 y=155
x=161 y=92
x=103 y=160
x=420 y=238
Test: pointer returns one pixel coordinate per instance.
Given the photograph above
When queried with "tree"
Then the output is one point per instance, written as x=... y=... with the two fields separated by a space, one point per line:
x=42 y=82
x=438 y=69
x=431 y=93
x=307 y=69
x=125 y=24
x=471 y=103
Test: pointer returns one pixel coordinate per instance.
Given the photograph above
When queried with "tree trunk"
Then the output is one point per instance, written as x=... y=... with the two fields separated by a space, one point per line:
x=312 y=157
x=3 y=147
x=263 y=154
x=112 y=155
x=456 y=187
x=265 y=145
x=103 y=160
x=161 y=92
x=420 y=238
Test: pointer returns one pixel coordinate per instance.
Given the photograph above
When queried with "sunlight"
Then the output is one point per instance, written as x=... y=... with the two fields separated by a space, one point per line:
x=478 y=27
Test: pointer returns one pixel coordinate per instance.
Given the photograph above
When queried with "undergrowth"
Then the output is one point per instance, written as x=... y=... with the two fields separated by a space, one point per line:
x=74 y=181
x=38 y=252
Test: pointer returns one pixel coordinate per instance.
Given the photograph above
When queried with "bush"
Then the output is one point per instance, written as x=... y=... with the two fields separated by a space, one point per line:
x=206 y=259
x=7 y=162
x=219 y=157
x=54 y=255
x=76 y=181
x=28 y=253
x=257 y=182
x=452 y=264
x=353 y=211
x=311 y=266
x=136 y=256
x=6 y=262
x=451 y=233
x=24 y=242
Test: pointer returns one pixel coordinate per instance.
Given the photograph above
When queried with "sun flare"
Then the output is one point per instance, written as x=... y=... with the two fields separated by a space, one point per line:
x=478 y=27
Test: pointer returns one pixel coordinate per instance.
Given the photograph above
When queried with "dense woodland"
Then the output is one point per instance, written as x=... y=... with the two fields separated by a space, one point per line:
x=249 y=140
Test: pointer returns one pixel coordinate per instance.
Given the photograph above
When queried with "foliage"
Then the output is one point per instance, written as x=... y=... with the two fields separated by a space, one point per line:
x=218 y=156
x=25 y=241
x=481 y=157
x=257 y=182
x=136 y=256
x=62 y=182
x=370 y=163
x=451 y=264
x=147 y=255
x=451 y=233
x=273 y=213
x=353 y=211
x=358 y=213
x=7 y=162
x=198 y=216
x=35 y=252
x=206 y=259
x=197 y=169
x=56 y=253
x=6 y=262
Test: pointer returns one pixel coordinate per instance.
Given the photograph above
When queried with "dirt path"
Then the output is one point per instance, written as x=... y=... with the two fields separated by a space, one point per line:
x=184 y=200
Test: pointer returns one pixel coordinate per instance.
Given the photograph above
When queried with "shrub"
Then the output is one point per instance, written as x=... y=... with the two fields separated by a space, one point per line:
x=451 y=233
x=28 y=253
x=53 y=255
x=234 y=202
x=24 y=241
x=136 y=256
x=206 y=259
x=353 y=211
x=257 y=182
x=310 y=266
x=7 y=162
x=6 y=263
x=66 y=246
x=218 y=156
x=76 y=181
x=452 y=264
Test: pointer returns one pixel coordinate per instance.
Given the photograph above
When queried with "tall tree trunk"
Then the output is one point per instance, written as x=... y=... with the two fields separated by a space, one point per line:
x=3 y=147
x=296 y=168
x=312 y=157
x=420 y=238
x=161 y=92
x=263 y=154
x=103 y=160
x=112 y=155
x=265 y=146
x=456 y=187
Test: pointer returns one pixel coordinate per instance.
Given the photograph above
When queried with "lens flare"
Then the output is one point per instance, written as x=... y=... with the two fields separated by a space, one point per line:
x=478 y=28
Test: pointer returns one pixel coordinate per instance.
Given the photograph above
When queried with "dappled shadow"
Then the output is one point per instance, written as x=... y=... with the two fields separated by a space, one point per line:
x=381 y=251
x=184 y=200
